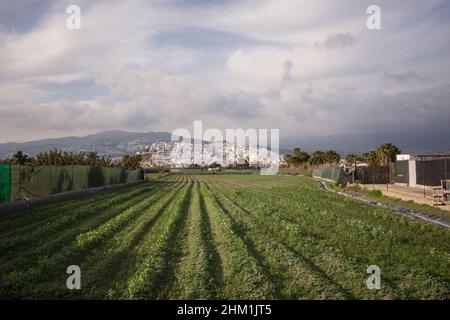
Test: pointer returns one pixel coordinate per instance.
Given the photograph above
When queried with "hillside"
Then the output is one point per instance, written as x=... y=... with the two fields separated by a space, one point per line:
x=113 y=143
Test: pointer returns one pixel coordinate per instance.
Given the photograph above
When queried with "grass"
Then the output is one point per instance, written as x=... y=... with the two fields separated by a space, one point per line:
x=375 y=193
x=221 y=236
x=154 y=176
x=410 y=204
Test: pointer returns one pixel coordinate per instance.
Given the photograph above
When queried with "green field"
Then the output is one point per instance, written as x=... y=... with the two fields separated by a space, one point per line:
x=230 y=237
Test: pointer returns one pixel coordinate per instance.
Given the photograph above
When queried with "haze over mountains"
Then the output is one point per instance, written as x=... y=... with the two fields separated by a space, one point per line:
x=113 y=143
x=117 y=143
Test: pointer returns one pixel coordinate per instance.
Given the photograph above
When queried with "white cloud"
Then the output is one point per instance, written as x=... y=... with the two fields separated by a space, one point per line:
x=301 y=66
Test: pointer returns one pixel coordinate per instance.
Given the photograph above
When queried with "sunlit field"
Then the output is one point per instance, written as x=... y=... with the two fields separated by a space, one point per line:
x=229 y=237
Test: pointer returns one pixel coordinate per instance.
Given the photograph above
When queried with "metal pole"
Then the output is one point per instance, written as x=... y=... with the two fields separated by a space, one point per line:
x=445 y=166
x=387 y=182
x=424 y=171
x=373 y=181
x=19 y=179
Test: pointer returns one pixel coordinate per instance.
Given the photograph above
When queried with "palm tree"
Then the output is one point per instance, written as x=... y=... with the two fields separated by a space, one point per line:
x=316 y=158
x=387 y=153
x=105 y=161
x=80 y=158
x=20 y=158
x=92 y=158
x=331 y=156
x=371 y=157
x=350 y=159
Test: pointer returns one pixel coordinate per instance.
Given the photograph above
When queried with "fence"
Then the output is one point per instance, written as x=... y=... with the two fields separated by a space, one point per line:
x=295 y=171
x=431 y=172
x=375 y=174
x=18 y=182
x=402 y=172
x=5 y=182
x=333 y=173
x=423 y=170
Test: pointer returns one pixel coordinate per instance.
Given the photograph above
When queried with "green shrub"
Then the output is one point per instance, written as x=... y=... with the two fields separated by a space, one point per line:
x=376 y=193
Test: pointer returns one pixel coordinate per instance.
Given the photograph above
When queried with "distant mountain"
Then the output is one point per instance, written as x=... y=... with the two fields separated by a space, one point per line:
x=113 y=143
x=118 y=143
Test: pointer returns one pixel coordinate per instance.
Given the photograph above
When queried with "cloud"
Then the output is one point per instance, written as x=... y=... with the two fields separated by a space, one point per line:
x=338 y=40
x=304 y=67
x=401 y=76
x=288 y=67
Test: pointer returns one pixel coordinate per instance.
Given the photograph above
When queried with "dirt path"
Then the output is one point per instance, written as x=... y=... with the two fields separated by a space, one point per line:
x=406 y=194
x=438 y=221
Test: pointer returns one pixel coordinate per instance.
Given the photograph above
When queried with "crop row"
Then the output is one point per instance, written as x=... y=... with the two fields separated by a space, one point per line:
x=221 y=237
x=324 y=235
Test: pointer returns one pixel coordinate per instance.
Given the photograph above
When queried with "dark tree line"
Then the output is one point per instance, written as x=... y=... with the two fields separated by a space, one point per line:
x=300 y=157
x=61 y=158
x=383 y=155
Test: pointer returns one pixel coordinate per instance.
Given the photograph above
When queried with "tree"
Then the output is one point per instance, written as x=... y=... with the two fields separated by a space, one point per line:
x=351 y=158
x=371 y=157
x=300 y=156
x=316 y=158
x=130 y=162
x=327 y=157
x=331 y=156
x=387 y=153
x=214 y=165
x=288 y=158
x=105 y=161
x=59 y=158
x=92 y=158
x=20 y=158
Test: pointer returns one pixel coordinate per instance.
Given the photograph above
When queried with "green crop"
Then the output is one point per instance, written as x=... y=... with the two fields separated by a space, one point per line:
x=221 y=237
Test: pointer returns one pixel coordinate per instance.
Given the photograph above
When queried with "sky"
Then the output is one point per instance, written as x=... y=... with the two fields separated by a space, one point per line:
x=308 y=68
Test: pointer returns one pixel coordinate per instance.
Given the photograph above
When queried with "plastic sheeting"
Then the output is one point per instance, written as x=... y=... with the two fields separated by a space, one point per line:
x=28 y=182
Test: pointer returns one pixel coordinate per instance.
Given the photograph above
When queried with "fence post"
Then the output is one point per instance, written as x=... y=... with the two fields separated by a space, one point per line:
x=445 y=168
x=387 y=176
x=19 y=181
x=424 y=173
x=51 y=178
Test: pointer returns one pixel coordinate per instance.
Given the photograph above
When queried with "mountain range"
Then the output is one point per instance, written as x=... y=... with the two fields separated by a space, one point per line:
x=112 y=143
x=118 y=143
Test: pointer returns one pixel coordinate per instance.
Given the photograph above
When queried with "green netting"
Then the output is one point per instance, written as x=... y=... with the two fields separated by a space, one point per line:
x=115 y=176
x=241 y=171
x=40 y=181
x=189 y=170
x=334 y=174
x=294 y=171
x=80 y=176
x=135 y=175
x=5 y=182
